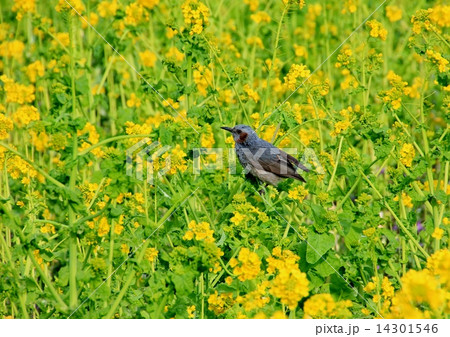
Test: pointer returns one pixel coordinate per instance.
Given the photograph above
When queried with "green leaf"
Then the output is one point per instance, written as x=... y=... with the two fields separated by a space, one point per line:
x=329 y=266
x=318 y=245
x=346 y=218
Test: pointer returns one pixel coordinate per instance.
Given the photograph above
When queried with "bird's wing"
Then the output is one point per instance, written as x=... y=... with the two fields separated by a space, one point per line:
x=295 y=162
x=280 y=163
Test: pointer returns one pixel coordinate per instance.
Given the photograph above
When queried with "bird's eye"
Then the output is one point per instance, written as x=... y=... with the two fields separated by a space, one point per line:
x=238 y=131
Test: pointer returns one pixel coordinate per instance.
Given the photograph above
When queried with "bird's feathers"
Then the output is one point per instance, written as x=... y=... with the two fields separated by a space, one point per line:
x=263 y=159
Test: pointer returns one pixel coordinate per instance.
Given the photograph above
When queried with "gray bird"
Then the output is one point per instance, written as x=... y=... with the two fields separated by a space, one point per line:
x=261 y=159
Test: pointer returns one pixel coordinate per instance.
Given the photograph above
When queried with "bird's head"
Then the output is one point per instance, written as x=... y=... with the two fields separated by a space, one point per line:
x=241 y=133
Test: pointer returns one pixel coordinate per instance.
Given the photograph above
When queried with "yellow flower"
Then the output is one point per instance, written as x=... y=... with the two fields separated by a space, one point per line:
x=300 y=51
x=393 y=13
x=133 y=101
x=24 y=6
x=25 y=114
x=135 y=14
x=174 y=54
x=150 y=4
x=440 y=15
x=39 y=140
x=203 y=78
x=191 y=311
x=12 y=49
x=247 y=265
x=124 y=248
x=238 y=218
x=296 y=71
x=255 y=41
x=91 y=20
x=220 y=303
x=107 y=9
x=290 y=285
x=438 y=233
x=252 y=94
x=439 y=265
x=344 y=58
x=148 y=58
x=6 y=125
x=350 y=6
x=298 y=193
x=387 y=288
x=260 y=17
x=377 y=30
x=256 y=299
x=369 y=232
x=253 y=4
x=77 y=5
x=376 y=298
x=322 y=306
x=35 y=69
x=406 y=200
x=151 y=254
x=196 y=15
x=17 y=168
x=118 y=227
x=437 y=59
x=278 y=315
x=207 y=138
x=63 y=38
x=200 y=231
x=48 y=228
x=38 y=257
x=340 y=126
x=421 y=296
x=17 y=93
x=407 y=153
x=170 y=33
x=103 y=227
x=92 y=139
x=369 y=287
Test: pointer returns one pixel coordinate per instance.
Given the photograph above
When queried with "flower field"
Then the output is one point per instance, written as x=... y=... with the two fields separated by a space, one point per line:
x=108 y=209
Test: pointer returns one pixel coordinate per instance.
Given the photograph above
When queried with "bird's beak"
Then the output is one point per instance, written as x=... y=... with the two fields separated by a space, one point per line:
x=227 y=128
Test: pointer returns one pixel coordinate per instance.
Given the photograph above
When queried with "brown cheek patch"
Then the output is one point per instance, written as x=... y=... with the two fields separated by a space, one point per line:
x=242 y=137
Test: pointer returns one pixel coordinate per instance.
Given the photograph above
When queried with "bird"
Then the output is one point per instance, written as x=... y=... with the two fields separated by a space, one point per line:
x=261 y=159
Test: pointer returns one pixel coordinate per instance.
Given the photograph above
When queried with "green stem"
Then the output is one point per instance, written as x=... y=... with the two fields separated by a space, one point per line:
x=229 y=80
x=338 y=156
x=23 y=292
x=341 y=203
x=34 y=165
x=274 y=57
x=73 y=249
x=440 y=36
x=131 y=272
x=399 y=222
x=47 y=282
x=202 y=294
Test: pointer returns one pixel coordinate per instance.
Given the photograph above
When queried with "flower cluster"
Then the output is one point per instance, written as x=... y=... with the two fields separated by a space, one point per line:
x=200 y=231
x=324 y=306
x=377 y=30
x=247 y=265
x=196 y=15
x=290 y=285
x=295 y=72
x=407 y=153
